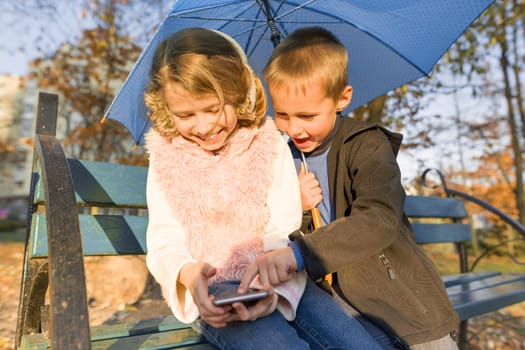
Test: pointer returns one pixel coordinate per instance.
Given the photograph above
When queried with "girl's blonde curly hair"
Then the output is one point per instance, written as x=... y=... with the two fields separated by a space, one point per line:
x=203 y=61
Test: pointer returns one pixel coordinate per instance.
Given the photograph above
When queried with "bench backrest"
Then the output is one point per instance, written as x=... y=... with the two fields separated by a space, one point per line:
x=107 y=185
x=98 y=186
x=122 y=188
x=438 y=219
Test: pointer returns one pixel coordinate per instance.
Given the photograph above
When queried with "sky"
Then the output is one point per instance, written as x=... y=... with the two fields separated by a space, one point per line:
x=26 y=33
x=14 y=63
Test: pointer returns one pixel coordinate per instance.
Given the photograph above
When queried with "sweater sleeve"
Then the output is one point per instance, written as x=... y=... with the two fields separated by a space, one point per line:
x=167 y=251
x=284 y=201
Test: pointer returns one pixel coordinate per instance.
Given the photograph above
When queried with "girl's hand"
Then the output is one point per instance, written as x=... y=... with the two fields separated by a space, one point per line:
x=262 y=308
x=195 y=276
x=311 y=193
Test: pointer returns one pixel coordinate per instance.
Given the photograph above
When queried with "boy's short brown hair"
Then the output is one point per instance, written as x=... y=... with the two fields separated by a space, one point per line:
x=310 y=55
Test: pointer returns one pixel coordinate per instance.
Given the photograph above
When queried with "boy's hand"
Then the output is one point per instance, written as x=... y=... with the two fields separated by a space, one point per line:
x=273 y=268
x=311 y=193
x=194 y=276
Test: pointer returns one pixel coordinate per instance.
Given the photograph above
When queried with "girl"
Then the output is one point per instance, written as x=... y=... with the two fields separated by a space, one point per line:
x=221 y=191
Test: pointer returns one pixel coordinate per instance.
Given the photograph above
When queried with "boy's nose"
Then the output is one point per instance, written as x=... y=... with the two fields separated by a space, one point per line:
x=294 y=129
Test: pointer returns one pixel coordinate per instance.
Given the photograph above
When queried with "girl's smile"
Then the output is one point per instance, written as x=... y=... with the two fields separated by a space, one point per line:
x=200 y=118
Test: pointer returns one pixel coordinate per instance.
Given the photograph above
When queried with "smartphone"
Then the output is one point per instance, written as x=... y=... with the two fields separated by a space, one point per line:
x=230 y=296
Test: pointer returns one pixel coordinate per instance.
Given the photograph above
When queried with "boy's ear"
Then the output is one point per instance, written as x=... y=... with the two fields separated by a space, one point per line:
x=344 y=98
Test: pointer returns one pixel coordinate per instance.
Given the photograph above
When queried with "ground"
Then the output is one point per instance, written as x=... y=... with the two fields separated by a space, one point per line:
x=115 y=283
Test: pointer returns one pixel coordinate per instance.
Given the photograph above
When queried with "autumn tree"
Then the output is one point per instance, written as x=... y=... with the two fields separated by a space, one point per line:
x=87 y=75
x=86 y=48
x=88 y=71
x=493 y=54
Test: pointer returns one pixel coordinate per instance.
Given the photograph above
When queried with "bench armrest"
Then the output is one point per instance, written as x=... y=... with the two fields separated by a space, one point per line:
x=69 y=321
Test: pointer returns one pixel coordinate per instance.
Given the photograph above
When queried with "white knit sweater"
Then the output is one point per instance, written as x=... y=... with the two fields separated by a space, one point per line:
x=222 y=209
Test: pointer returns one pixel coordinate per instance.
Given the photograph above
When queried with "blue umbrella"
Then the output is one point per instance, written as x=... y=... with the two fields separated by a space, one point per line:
x=390 y=42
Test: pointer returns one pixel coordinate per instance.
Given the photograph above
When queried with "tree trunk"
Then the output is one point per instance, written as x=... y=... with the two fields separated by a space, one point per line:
x=515 y=143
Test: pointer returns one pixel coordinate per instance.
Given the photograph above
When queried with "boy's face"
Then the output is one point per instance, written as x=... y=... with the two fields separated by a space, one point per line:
x=307 y=117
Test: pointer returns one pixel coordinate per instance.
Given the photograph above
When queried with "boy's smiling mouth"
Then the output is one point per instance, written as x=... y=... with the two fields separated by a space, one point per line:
x=301 y=142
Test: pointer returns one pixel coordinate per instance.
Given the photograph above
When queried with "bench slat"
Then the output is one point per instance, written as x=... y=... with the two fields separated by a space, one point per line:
x=488 y=282
x=425 y=233
x=101 y=235
x=434 y=207
x=154 y=333
x=181 y=338
x=488 y=299
x=177 y=339
x=462 y=278
x=151 y=325
x=105 y=184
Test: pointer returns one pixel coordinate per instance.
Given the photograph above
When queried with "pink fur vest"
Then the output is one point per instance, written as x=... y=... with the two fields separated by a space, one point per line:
x=220 y=200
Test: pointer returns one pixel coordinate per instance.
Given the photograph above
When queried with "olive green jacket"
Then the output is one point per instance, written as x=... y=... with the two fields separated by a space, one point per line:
x=380 y=270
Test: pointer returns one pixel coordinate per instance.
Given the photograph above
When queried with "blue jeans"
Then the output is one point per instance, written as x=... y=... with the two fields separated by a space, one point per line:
x=320 y=324
x=379 y=335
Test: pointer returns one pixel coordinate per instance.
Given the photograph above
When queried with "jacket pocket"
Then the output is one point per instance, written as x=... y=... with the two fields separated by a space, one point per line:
x=406 y=293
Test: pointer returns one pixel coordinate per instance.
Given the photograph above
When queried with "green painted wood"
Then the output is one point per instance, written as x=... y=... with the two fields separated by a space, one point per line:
x=105 y=184
x=434 y=207
x=176 y=339
x=425 y=233
x=34 y=342
x=185 y=338
x=157 y=324
x=101 y=235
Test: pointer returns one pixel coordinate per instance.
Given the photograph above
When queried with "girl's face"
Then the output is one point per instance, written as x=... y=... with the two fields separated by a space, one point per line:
x=199 y=118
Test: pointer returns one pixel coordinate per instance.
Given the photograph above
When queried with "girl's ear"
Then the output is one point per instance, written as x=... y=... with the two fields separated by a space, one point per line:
x=344 y=98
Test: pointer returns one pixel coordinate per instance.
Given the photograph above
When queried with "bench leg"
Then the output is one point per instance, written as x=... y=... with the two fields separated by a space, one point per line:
x=32 y=298
x=463 y=331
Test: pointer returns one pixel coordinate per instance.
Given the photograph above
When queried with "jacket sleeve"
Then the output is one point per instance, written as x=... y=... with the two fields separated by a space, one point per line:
x=284 y=202
x=372 y=185
x=167 y=251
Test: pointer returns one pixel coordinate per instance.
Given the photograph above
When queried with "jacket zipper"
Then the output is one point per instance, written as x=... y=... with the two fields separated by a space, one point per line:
x=388 y=266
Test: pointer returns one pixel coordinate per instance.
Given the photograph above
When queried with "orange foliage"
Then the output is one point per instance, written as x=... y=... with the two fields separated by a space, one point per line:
x=492 y=181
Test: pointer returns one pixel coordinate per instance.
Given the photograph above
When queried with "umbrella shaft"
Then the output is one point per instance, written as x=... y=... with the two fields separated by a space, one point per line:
x=316 y=217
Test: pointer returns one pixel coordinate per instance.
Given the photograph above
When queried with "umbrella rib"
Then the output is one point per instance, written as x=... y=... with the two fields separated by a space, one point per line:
x=251 y=36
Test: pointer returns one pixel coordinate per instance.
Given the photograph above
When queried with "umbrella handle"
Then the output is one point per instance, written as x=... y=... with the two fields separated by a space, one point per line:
x=316 y=217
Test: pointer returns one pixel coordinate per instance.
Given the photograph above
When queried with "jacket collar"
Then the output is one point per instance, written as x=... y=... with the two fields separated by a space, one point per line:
x=349 y=127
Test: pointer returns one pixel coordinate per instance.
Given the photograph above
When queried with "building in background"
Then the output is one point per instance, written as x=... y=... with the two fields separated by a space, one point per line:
x=16 y=150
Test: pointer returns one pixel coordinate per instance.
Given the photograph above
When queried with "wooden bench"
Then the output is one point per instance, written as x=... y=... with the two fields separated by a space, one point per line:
x=61 y=231
x=59 y=237
x=472 y=293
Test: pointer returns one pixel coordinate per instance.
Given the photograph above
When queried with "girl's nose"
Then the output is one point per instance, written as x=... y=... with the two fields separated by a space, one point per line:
x=205 y=123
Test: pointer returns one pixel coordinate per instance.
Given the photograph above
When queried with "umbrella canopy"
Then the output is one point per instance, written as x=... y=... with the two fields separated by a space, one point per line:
x=390 y=43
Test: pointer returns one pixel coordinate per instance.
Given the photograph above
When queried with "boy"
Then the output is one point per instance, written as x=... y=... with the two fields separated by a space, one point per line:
x=366 y=241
